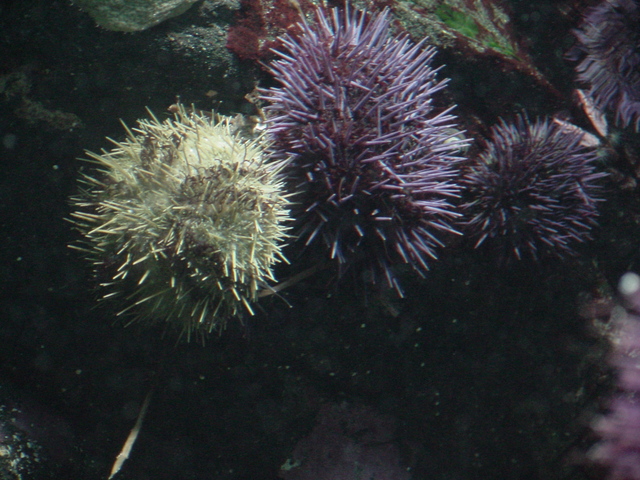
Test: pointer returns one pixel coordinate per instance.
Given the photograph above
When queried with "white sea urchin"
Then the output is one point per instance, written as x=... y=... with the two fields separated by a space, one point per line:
x=186 y=218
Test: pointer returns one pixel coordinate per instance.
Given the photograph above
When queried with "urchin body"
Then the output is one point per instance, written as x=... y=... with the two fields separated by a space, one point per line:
x=374 y=160
x=608 y=52
x=188 y=220
x=534 y=190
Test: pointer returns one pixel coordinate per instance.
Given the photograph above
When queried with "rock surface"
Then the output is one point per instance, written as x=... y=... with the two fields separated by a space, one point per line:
x=132 y=15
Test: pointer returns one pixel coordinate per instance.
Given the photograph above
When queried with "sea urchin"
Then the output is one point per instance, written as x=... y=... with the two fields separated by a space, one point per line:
x=373 y=157
x=608 y=52
x=533 y=190
x=186 y=219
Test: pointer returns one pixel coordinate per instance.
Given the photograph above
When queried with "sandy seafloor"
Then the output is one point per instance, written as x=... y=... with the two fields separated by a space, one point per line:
x=485 y=372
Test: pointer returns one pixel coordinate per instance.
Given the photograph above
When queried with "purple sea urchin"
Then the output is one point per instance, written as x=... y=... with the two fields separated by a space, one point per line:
x=373 y=157
x=533 y=190
x=618 y=448
x=608 y=50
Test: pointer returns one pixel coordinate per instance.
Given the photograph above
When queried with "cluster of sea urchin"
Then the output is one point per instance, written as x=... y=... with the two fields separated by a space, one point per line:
x=608 y=51
x=188 y=220
x=373 y=157
x=533 y=190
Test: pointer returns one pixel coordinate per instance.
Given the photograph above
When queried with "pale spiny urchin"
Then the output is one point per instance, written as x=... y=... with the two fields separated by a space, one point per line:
x=187 y=220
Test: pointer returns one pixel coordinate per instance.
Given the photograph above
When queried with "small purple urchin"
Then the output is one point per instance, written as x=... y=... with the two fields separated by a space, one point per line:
x=618 y=449
x=374 y=160
x=609 y=53
x=533 y=189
